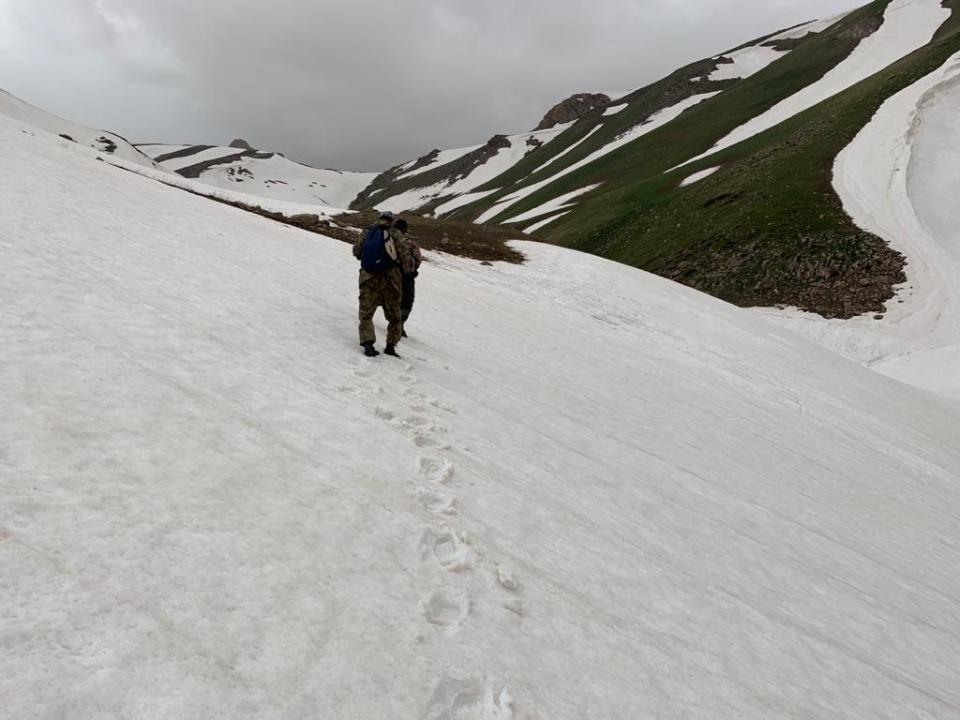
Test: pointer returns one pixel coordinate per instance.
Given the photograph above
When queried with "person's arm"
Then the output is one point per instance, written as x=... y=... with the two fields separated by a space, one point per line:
x=416 y=253
x=358 y=245
x=404 y=254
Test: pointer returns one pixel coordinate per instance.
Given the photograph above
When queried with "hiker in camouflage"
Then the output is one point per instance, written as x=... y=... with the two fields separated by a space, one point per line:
x=381 y=252
x=410 y=267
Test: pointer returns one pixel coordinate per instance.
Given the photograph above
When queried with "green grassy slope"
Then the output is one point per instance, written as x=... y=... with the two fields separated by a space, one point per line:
x=767 y=228
x=643 y=103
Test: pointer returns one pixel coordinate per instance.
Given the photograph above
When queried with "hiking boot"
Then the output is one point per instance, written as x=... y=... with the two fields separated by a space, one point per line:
x=369 y=350
x=392 y=351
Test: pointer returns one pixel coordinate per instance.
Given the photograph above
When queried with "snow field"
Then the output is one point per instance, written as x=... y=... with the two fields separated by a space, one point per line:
x=908 y=25
x=39 y=120
x=898 y=180
x=586 y=492
x=278 y=178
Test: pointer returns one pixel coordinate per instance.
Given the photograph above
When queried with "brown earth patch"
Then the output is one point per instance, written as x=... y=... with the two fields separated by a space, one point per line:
x=478 y=242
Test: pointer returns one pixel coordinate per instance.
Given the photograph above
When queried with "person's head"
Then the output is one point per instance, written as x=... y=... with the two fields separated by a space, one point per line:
x=400 y=224
x=386 y=219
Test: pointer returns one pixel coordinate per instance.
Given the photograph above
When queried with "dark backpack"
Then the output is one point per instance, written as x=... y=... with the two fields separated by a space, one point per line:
x=373 y=255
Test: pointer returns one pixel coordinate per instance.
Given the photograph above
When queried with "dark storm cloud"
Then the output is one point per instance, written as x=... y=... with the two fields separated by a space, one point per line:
x=358 y=83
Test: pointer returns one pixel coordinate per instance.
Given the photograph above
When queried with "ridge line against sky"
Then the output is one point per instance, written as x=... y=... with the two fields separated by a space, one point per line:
x=362 y=85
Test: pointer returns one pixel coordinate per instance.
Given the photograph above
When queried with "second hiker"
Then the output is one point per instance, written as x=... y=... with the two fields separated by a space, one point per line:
x=410 y=267
x=381 y=252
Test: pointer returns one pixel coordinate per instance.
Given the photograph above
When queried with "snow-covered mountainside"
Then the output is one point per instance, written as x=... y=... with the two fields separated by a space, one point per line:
x=587 y=492
x=262 y=174
x=900 y=179
x=449 y=176
x=908 y=25
x=454 y=183
x=100 y=140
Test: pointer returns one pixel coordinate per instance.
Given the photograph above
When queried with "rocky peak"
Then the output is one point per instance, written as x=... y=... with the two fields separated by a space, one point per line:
x=241 y=144
x=573 y=108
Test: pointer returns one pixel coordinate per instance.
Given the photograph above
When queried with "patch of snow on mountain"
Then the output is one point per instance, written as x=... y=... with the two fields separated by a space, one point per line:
x=698 y=176
x=569 y=150
x=462 y=201
x=655 y=121
x=615 y=110
x=907 y=26
x=816 y=26
x=899 y=180
x=543 y=223
x=445 y=157
x=100 y=140
x=562 y=202
x=746 y=62
x=581 y=478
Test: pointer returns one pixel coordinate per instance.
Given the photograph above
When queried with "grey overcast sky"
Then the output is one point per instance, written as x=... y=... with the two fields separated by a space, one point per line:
x=355 y=84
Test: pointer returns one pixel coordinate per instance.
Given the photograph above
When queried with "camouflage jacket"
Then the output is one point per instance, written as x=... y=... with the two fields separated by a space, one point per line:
x=414 y=259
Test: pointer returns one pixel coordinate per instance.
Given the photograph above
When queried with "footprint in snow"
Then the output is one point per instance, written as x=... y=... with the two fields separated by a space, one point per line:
x=438 y=503
x=446 y=609
x=425 y=440
x=436 y=470
x=469 y=700
x=418 y=421
x=450 y=550
x=507 y=579
x=384 y=414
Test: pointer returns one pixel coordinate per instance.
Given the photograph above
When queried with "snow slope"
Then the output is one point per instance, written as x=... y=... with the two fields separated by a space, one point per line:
x=444 y=157
x=746 y=62
x=815 y=26
x=563 y=202
x=273 y=178
x=907 y=26
x=587 y=492
x=282 y=179
x=100 y=140
x=899 y=179
x=214 y=153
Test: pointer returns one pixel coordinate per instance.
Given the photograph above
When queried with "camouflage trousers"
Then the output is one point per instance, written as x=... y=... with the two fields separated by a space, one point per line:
x=381 y=290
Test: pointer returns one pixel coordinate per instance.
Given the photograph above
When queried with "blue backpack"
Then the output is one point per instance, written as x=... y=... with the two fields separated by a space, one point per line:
x=374 y=256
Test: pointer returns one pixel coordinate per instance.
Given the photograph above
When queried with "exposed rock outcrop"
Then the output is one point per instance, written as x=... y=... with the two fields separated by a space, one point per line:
x=241 y=144
x=573 y=108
